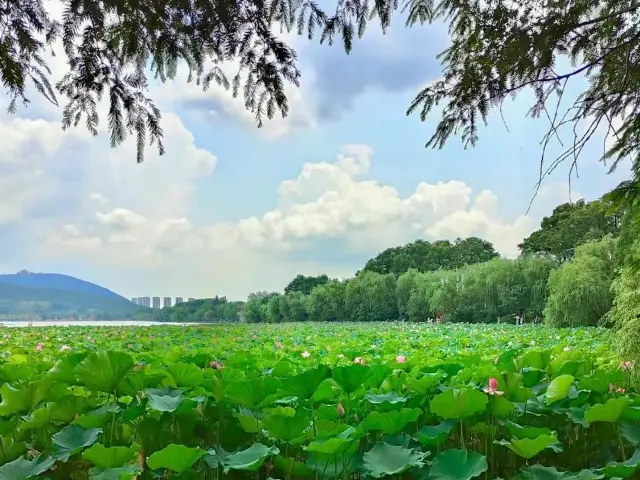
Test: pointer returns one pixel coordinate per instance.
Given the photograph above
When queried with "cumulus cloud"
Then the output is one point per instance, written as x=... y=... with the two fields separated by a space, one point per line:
x=74 y=200
x=335 y=200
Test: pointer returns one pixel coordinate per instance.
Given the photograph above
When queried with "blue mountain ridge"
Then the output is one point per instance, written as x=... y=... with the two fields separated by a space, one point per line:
x=25 y=295
x=56 y=281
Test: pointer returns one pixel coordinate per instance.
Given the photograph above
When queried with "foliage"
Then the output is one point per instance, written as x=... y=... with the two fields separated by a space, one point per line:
x=430 y=256
x=580 y=290
x=315 y=400
x=483 y=292
x=498 y=49
x=570 y=225
x=304 y=284
x=216 y=309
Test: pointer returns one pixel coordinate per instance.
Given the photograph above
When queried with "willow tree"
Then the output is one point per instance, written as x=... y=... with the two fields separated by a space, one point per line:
x=498 y=48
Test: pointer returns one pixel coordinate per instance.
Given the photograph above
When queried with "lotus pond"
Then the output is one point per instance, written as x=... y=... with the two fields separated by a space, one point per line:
x=316 y=401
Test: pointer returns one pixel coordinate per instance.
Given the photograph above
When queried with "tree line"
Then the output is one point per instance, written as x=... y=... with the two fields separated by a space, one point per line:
x=566 y=275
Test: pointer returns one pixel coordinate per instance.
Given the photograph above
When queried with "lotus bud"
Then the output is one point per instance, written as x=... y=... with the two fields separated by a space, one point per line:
x=340 y=410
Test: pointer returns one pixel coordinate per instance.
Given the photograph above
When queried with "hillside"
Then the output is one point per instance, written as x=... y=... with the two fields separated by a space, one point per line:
x=56 y=281
x=47 y=295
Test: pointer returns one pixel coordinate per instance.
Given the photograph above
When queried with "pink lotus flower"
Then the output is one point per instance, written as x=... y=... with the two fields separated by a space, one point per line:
x=279 y=345
x=627 y=365
x=401 y=359
x=216 y=365
x=359 y=360
x=39 y=347
x=64 y=348
x=340 y=410
x=305 y=354
x=492 y=388
x=613 y=388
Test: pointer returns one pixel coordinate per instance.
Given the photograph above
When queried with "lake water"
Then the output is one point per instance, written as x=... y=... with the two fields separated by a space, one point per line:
x=94 y=323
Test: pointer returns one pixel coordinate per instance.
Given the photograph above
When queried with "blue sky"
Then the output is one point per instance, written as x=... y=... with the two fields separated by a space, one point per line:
x=232 y=209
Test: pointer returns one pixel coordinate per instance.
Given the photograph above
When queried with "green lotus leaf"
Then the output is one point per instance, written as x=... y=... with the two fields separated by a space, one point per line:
x=39 y=418
x=559 y=388
x=600 y=380
x=286 y=428
x=283 y=411
x=102 y=371
x=128 y=472
x=531 y=376
x=252 y=393
x=630 y=431
x=98 y=417
x=535 y=359
x=65 y=369
x=390 y=398
x=520 y=431
x=333 y=445
x=67 y=408
x=501 y=407
x=384 y=459
x=248 y=422
x=164 y=400
x=622 y=469
x=305 y=384
x=611 y=411
x=435 y=435
x=456 y=464
x=351 y=377
x=10 y=449
x=530 y=447
x=23 y=398
x=330 y=467
x=391 y=422
x=72 y=440
x=23 y=469
x=458 y=403
x=539 y=472
x=186 y=375
x=177 y=458
x=327 y=390
x=111 y=457
x=379 y=371
x=249 y=460
x=291 y=468
x=426 y=383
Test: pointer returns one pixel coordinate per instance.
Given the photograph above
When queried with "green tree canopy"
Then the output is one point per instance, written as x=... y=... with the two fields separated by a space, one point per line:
x=427 y=256
x=497 y=49
x=580 y=290
x=304 y=284
x=570 y=225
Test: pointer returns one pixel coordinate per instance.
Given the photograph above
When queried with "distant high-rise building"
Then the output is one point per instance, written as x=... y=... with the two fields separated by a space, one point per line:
x=191 y=299
x=135 y=300
x=156 y=302
x=144 y=301
x=179 y=300
x=167 y=302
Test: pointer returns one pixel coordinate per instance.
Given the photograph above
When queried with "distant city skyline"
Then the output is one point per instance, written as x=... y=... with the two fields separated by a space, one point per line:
x=155 y=302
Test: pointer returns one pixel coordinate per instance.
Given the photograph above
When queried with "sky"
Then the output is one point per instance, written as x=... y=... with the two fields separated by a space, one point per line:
x=231 y=209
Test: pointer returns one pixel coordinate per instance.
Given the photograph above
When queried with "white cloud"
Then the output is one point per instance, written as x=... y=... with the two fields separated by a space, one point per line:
x=133 y=224
x=330 y=200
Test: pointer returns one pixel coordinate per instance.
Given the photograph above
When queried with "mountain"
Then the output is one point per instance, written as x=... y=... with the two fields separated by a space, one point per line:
x=47 y=295
x=56 y=281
